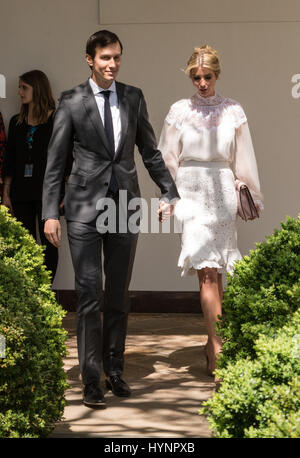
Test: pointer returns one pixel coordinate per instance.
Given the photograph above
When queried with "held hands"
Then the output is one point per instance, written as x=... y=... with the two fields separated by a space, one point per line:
x=52 y=231
x=164 y=211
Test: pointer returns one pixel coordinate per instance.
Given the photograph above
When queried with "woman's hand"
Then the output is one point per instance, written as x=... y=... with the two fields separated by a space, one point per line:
x=164 y=210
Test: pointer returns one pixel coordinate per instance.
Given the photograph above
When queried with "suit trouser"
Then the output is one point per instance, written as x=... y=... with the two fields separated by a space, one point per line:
x=94 y=346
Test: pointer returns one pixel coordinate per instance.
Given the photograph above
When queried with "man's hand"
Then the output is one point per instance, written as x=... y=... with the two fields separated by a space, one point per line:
x=164 y=210
x=52 y=231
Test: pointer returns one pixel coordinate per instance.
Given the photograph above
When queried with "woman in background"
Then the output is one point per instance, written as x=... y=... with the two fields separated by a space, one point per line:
x=25 y=157
x=2 y=147
x=206 y=145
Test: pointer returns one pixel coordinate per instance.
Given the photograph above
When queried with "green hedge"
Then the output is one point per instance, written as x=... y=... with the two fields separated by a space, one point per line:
x=260 y=364
x=32 y=379
x=263 y=293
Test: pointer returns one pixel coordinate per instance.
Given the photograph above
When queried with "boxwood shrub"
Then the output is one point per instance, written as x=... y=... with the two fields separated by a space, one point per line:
x=260 y=364
x=32 y=379
x=263 y=293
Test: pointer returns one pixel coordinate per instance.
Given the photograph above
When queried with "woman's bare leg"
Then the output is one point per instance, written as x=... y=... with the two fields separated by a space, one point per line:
x=220 y=286
x=211 y=302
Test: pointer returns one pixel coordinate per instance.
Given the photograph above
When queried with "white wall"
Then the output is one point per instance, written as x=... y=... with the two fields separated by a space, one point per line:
x=258 y=42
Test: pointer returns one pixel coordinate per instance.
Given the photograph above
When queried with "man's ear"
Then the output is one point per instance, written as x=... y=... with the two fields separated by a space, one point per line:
x=89 y=60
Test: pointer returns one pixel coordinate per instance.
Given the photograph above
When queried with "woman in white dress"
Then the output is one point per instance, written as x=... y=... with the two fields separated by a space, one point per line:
x=206 y=145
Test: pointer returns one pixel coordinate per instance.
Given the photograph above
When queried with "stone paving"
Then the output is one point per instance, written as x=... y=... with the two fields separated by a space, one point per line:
x=165 y=368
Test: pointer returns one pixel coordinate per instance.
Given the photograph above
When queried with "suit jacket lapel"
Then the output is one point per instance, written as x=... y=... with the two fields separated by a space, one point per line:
x=93 y=113
x=124 y=112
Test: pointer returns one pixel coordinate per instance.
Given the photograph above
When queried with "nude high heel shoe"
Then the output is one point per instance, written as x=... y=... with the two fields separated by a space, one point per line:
x=211 y=373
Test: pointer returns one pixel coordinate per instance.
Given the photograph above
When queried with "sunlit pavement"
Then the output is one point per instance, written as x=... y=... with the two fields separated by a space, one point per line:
x=166 y=370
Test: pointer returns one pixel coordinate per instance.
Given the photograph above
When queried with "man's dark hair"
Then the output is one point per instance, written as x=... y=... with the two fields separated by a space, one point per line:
x=101 y=39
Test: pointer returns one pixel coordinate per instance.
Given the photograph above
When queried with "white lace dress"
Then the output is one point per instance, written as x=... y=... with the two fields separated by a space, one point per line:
x=206 y=144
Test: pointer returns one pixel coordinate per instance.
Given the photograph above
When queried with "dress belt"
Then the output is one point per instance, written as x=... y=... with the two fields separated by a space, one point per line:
x=210 y=164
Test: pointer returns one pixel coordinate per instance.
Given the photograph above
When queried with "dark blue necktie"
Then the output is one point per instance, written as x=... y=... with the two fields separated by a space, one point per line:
x=109 y=130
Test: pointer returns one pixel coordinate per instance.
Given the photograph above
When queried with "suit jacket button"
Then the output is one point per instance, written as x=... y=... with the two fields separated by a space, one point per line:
x=106 y=184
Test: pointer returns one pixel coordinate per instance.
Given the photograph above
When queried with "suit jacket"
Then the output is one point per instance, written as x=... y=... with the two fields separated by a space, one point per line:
x=78 y=126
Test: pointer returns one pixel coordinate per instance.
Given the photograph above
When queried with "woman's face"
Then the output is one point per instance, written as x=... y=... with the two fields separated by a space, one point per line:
x=204 y=80
x=25 y=92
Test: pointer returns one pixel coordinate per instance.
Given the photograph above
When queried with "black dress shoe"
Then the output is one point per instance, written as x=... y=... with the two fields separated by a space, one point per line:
x=93 y=396
x=118 y=386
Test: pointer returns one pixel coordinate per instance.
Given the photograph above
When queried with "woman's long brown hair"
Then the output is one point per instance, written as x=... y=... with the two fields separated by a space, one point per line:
x=42 y=97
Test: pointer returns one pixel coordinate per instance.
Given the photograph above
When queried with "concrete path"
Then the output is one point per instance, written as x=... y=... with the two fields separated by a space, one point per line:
x=165 y=368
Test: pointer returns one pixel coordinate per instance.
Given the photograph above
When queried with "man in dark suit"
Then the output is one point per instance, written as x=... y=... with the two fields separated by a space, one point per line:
x=101 y=120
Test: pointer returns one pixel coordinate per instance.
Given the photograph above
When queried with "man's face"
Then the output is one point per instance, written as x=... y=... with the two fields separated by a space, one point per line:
x=106 y=64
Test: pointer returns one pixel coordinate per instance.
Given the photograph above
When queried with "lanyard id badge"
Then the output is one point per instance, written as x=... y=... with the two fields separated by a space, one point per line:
x=28 y=170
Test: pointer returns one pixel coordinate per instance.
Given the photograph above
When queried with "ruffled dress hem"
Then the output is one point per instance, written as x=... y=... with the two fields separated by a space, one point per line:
x=189 y=266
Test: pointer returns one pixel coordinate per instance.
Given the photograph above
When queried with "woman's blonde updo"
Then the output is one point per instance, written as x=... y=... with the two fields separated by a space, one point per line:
x=204 y=57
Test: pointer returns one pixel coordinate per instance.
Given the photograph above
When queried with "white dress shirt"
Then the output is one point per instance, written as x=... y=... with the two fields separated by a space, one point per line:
x=114 y=106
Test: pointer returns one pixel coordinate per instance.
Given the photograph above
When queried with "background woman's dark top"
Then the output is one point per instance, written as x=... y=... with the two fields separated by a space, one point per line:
x=2 y=147
x=25 y=161
x=19 y=153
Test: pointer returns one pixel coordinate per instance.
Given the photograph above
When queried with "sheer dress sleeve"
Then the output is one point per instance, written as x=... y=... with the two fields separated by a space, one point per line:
x=245 y=165
x=169 y=147
x=169 y=142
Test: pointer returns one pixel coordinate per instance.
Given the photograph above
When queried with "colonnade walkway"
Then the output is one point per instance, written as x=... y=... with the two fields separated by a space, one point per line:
x=166 y=370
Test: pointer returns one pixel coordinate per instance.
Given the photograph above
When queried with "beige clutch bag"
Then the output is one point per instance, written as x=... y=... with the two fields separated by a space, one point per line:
x=246 y=207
